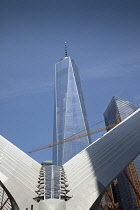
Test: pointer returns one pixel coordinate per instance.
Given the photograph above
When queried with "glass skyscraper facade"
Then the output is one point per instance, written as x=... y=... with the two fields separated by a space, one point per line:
x=69 y=111
x=123 y=192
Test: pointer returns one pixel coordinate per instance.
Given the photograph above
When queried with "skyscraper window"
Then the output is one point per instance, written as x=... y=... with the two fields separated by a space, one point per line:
x=69 y=111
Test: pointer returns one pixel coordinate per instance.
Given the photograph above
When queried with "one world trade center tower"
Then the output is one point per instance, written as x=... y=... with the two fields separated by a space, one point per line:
x=69 y=111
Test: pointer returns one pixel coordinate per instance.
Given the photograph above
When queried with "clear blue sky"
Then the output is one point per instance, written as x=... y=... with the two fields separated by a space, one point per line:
x=103 y=37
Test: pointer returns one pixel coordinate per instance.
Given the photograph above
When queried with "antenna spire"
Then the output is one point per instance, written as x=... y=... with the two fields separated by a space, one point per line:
x=66 y=55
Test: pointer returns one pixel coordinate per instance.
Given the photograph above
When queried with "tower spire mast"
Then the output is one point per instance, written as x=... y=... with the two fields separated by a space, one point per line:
x=66 y=54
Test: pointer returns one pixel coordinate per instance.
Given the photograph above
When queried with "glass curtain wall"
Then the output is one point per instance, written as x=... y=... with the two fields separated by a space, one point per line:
x=124 y=194
x=69 y=111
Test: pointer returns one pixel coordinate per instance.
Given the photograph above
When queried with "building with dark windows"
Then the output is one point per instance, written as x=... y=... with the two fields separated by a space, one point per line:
x=117 y=111
x=69 y=111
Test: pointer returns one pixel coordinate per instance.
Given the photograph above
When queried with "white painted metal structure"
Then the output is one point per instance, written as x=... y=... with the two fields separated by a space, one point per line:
x=88 y=173
x=92 y=170
x=19 y=173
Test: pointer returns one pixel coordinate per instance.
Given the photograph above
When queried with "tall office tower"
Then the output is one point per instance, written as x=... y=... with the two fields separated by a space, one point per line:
x=119 y=109
x=69 y=111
